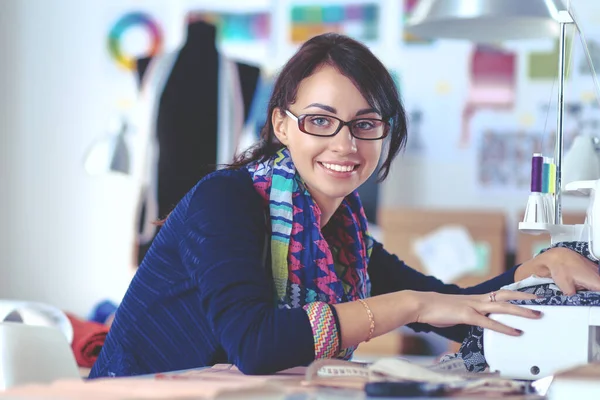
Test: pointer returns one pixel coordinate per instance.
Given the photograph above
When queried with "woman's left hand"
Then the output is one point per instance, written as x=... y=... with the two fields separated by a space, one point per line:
x=570 y=270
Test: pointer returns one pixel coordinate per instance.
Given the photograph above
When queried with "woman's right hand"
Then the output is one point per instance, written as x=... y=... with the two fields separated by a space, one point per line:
x=444 y=310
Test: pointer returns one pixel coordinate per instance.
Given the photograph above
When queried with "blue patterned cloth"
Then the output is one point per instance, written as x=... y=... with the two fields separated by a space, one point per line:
x=472 y=348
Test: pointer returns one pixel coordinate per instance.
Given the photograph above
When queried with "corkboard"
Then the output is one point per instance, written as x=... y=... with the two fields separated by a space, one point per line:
x=401 y=227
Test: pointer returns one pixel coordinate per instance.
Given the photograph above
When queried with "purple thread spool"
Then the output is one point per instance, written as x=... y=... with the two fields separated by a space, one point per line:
x=537 y=163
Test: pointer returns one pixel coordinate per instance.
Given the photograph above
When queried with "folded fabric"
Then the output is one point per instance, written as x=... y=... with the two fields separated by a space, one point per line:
x=88 y=339
x=397 y=372
x=103 y=311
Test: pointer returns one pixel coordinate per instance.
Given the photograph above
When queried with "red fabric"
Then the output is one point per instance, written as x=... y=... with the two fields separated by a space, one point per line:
x=88 y=339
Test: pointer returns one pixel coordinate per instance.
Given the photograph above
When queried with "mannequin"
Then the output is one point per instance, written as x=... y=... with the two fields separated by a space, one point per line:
x=195 y=102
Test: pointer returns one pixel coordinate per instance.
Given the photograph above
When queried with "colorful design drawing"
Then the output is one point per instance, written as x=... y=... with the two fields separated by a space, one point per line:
x=492 y=86
x=359 y=21
x=125 y=23
x=239 y=27
x=544 y=65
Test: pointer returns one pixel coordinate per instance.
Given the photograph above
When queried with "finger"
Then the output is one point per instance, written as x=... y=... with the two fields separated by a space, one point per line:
x=589 y=279
x=488 y=323
x=508 y=295
x=511 y=309
x=565 y=284
x=584 y=272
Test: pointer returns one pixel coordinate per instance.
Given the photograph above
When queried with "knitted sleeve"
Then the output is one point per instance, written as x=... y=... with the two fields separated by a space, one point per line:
x=325 y=329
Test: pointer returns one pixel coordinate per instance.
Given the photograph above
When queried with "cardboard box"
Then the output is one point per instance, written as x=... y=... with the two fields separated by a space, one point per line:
x=389 y=344
x=401 y=227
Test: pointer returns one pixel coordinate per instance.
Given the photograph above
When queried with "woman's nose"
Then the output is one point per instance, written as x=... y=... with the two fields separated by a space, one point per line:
x=343 y=142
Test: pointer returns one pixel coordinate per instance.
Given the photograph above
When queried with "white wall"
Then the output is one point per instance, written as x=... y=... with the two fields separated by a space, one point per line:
x=66 y=238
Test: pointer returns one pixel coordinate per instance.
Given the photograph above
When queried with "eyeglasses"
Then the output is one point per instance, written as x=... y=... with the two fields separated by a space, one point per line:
x=327 y=126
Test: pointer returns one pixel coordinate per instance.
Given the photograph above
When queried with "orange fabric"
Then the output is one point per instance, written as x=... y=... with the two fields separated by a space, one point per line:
x=88 y=339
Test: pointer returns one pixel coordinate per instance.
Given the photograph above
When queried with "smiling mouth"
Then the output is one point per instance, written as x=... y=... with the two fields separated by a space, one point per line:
x=339 y=168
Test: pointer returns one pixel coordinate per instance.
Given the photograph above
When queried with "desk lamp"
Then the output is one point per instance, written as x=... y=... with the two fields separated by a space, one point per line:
x=565 y=336
x=582 y=160
x=110 y=154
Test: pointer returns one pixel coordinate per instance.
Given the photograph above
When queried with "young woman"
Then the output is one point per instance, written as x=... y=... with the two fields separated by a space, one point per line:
x=268 y=264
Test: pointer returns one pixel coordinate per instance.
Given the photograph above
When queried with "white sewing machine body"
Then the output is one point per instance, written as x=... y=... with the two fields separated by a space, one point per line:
x=565 y=336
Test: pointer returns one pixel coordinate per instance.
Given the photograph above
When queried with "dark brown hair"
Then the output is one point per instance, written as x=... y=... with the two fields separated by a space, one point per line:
x=357 y=63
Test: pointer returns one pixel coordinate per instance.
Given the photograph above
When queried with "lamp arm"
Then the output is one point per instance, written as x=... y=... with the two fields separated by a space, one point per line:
x=591 y=188
x=593 y=216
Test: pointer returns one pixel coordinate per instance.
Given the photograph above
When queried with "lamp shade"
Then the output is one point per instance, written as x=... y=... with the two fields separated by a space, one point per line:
x=110 y=154
x=582 y=160
x=486 y=20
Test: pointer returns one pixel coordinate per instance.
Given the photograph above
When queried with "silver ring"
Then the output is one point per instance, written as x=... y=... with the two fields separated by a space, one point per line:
x=493 y=297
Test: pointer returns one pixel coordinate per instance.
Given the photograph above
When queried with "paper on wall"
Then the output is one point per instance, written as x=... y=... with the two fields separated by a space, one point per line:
x=447 y=253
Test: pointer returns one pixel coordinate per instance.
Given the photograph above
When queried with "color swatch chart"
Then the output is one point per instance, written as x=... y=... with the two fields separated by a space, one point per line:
x=359 y=21
x=240 y=27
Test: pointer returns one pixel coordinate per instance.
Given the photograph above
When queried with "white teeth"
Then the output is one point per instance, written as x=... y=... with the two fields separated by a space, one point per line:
x=339 y=168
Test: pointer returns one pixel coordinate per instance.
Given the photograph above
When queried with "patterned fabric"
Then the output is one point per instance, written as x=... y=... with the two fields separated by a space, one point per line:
x=471 y=350
x=325 y=331
x=309 y=265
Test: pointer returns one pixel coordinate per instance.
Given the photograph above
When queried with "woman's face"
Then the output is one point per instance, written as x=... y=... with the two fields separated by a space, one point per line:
x=331 y=167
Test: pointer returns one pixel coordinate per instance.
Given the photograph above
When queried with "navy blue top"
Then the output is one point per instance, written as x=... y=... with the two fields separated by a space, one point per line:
x=203 y=296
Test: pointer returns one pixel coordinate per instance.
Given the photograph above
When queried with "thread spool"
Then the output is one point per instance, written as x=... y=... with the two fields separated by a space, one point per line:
x=546 y=175
x=537 y=162
x=552 y=183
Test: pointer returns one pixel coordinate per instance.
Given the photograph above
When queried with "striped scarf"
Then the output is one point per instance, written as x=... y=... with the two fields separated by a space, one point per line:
x=308 y=266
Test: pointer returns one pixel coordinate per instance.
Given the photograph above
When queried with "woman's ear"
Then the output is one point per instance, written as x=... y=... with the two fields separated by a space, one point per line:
x=279 y=126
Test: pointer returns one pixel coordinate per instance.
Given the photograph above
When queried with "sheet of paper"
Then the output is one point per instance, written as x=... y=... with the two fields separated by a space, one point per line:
x=344 y=374
x=447 y=253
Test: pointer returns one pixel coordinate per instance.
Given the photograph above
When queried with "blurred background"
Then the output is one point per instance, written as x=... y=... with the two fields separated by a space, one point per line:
x=111 y=110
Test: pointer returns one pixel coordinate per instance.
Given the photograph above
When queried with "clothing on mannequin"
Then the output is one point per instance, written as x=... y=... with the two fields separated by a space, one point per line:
x=190 y=110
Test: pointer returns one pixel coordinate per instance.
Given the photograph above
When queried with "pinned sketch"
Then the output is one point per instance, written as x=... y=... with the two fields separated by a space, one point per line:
x=443 y=88
x=409 y=6
x=395 y=74
x=544 y=65
x=359 y=21
x=507 y=140
x=448 y=253
x=504 y=159
x=492 y=84
x=238 y=27
x=504 y=156
x=414 y=141
x=594 y=50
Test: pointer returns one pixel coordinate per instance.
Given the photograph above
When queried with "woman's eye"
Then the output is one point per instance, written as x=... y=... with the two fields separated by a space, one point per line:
x=364 y=125
x=320 y=121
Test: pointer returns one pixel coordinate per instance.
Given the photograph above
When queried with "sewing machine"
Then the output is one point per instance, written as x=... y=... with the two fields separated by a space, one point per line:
x=566 y=336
